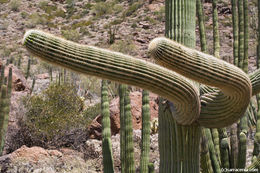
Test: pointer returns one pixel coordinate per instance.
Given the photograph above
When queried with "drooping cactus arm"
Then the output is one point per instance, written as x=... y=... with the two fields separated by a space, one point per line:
x=220 y=108
x=255 y=80
x=117 y=67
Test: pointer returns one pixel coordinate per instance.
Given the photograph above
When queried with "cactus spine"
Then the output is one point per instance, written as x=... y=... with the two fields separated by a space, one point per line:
x=106 y=131
x=145 y=147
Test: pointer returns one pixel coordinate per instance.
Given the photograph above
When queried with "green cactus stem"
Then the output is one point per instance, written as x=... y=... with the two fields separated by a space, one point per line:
x=213 y=155
x=106 y=131
x=33 y=84
x=235 y=31
x=10 y=82
x=205 y=162
x=122 y=91
x=216 y=45
x=224 y=148
x=246 y=36
x=28 y=68
x=129 y=144
x=19 y=63
x=216 y=108
x=200 y=14
x=118 y=67
x=151 y=168
x=241 y=33
x=233 y=146
x=215 y=138
x=145 y=147
x=2 y=77
x=4 y=116
x=241 y=161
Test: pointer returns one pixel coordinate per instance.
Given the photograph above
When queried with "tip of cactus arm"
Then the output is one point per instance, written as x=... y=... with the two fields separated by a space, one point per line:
x=153 y=45
x=27 y=33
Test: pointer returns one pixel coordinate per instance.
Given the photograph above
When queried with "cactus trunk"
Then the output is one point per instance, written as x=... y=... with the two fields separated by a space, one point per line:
x=122 y=91
x=129 y=144
x=108 y=166
x=145 y=147
x=216 y=45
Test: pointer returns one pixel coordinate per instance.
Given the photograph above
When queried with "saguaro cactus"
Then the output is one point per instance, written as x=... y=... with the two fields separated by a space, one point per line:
x=218 y=108
x=122 y=91
x=145 y=147
x=4 y=109
x=106 y=131
x=129 y=144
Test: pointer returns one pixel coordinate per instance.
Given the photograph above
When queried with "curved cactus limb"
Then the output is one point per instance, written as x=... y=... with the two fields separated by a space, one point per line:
x=117 y=67
x=218 y=109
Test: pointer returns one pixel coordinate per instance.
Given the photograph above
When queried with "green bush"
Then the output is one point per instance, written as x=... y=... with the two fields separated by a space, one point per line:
x=3 y=1
x=91 y=112
x=35 y=19
x=133 y=8
x=124 y=46
x=15 y=4
x=102 y=8
x=54 y=112
x=71 y=34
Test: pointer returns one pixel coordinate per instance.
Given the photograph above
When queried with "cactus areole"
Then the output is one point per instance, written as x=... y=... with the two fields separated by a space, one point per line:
x=172 y=78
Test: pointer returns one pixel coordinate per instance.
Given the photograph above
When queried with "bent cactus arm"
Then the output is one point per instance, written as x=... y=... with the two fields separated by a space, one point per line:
x=220 y=108
x=117 y=67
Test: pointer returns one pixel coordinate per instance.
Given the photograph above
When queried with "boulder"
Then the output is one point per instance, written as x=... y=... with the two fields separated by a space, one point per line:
x=37 y=159
x=95 y=128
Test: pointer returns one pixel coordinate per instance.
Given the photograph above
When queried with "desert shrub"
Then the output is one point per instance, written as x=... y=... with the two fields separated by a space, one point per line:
x=60 y=13
x=124 y=46
x=15 y=4
x=54 y=112
x=3 y=1
x=70 y=8
x=91 y=112
x=24 y=14
x=132 y=8
x=160 y=14
x=82 y=23
x=35 y=19
x=71 y=34
x=103 y=8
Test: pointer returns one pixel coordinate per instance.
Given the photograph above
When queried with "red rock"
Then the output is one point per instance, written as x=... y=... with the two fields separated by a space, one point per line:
x=95 y=129
x=19 y=81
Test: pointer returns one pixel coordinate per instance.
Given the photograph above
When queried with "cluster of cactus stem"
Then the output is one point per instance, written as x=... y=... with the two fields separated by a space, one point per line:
x=126 y=132
x=189 y=111
x=6 y=88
